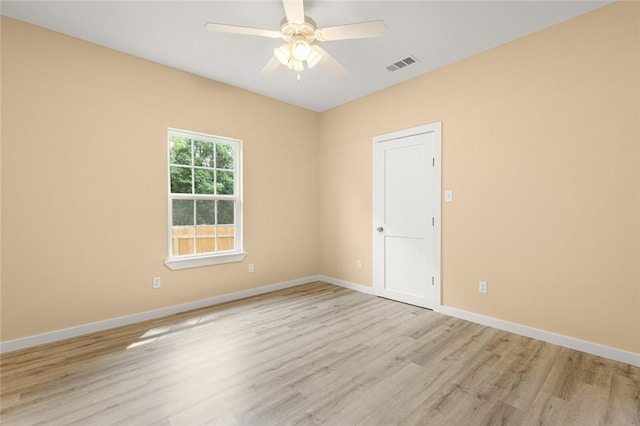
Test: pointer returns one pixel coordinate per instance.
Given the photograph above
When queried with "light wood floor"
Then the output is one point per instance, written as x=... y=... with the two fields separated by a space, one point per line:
x=311 y=355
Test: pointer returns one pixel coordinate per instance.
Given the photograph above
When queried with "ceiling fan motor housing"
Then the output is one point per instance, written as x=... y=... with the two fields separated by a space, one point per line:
x=306 y=30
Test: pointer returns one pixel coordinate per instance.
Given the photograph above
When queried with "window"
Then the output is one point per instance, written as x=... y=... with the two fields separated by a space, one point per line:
x=205 y=204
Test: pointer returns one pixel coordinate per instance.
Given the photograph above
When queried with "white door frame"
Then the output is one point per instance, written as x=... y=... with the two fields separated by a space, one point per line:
x=436 y=129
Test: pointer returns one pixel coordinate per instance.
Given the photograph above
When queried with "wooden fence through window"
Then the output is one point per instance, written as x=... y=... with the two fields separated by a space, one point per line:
x=207 y=239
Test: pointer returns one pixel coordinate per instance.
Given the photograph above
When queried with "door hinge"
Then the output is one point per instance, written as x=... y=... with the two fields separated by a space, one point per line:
x=433 y=281
x=434 y=161
x=433 y=221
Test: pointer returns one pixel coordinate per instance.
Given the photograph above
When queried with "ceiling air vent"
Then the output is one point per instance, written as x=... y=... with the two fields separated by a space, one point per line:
x=402 y=63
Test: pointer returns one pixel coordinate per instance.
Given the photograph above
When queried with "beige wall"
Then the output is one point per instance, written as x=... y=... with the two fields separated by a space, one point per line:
x=84 y=182
x=540 y=145
x=541 y=148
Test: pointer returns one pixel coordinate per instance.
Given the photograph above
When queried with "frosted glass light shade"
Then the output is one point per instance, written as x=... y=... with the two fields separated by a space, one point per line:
x=283 y=53
x=295 y=65
x=300 y=50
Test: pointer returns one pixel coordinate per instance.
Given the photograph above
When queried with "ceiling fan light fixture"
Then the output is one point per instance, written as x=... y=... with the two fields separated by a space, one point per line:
x=295 y=65
x=283 y=53
x=299 y=32
x=300 y=49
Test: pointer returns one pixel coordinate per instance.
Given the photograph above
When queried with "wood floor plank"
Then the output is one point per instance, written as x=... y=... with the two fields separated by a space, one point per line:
x=313 y=354
x=624 y=401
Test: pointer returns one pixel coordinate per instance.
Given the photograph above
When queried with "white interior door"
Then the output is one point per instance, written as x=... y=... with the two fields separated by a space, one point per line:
x=406 y=215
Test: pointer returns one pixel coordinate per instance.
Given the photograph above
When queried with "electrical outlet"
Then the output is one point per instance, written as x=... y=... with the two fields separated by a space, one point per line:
x=358 y=264
x=251 y=267
x=483 y=287
x=156 y=282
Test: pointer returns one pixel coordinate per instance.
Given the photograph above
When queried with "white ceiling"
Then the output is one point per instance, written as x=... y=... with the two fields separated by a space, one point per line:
x=437 y=33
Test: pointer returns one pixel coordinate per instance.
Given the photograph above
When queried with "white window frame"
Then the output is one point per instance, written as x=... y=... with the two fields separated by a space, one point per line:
x=205 y=259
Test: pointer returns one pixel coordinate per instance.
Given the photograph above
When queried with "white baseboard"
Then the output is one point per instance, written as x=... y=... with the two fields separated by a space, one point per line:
x=66 y=333
x=351 y=286
x=523 y=330
x=546 y=336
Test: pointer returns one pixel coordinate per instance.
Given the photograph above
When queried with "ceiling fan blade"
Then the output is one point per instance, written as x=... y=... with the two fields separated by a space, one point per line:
x=329 y=62
x=350 y=31
x=270 y=66
x=235 y=29
x=294 y=10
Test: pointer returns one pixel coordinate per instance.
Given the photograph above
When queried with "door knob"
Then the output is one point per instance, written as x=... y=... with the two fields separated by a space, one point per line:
x=379 y=229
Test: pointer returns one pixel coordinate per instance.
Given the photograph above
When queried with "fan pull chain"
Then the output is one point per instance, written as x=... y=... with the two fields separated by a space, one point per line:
x=298 y=77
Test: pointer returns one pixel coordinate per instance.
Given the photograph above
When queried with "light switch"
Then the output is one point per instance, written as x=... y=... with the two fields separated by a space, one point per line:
x=448 y=196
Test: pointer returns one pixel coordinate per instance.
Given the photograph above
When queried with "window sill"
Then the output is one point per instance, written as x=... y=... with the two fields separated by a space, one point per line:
x=196 y=262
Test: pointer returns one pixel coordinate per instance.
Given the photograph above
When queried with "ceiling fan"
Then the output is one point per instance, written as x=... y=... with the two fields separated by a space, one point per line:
x=299 y=33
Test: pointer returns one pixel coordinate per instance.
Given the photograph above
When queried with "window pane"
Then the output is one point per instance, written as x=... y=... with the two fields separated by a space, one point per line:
x=182 y=240
x=205 y=239
x=225 y=212
x=224 y=184
x=183 y=231
x=205 y=212
x=180 y=180
x=225 y=238
x=180 y=151
x=224 y=156
x=203 y=153
x=203 y=181
x=182 y=213
x=225 y=230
